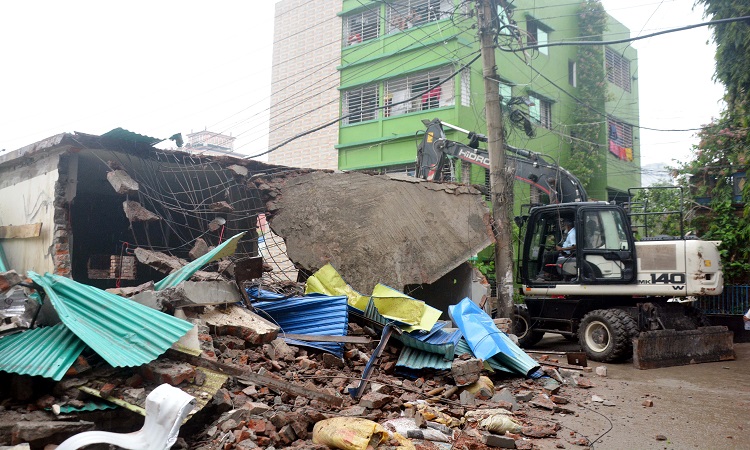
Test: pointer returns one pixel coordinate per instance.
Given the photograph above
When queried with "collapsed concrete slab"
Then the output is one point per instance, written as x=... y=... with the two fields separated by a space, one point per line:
x=237 y=321
x=374 y=228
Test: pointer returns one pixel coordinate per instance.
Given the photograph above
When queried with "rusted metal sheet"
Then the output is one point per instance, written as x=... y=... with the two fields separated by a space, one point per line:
x=665 y=348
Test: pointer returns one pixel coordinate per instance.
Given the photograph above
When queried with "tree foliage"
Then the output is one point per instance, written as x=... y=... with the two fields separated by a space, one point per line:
x=715 y=172
x=732 y=41
x=659 y=210
x=585 y=155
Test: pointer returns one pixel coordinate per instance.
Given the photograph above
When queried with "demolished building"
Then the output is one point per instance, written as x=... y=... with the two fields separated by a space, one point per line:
x=79 y=205
x=82 y=213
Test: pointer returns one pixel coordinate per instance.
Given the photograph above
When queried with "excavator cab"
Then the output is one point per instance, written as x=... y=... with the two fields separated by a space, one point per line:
x=604 y=246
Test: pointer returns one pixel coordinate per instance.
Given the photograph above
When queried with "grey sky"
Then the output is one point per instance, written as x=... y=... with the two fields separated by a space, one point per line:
x=161 y=67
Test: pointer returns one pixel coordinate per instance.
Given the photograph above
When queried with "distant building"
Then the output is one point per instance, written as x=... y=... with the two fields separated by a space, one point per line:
x=384 y=66
x=209 y=142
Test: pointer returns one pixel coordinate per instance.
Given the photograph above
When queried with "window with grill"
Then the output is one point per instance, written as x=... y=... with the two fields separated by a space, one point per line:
x=621 y=134
x=425 y=89
x=618 y=69
x=541 y=111
x=362 y=26
x=405 y=14
x=466 y=87
x=360 y=104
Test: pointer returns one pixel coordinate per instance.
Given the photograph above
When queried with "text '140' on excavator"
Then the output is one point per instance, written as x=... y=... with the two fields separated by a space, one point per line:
x=618 y=296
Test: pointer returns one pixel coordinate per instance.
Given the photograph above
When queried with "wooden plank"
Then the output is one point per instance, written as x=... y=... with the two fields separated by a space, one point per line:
x=260 y=380
x=30 y=230
x=560 y=365
x=318 y=338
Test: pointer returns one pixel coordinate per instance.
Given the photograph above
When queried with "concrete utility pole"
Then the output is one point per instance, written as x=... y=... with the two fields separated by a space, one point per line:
x=501 y=188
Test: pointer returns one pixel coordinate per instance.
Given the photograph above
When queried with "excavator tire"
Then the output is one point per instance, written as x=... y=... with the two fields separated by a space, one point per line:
x=522 y=328
x=606 y=335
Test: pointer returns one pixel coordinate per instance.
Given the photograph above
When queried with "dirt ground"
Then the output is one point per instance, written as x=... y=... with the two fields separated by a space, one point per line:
x=702 y=406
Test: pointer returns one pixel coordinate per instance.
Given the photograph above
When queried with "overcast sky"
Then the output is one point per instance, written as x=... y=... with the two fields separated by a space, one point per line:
x=161 y=67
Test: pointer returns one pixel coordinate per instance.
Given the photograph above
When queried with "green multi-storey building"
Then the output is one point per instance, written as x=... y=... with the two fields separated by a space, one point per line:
x=403 y=61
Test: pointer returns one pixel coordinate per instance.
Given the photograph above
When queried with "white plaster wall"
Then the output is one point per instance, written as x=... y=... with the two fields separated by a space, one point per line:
x=28 y=201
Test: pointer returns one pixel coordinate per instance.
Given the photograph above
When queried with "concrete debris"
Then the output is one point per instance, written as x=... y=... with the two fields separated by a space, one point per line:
x=122 y=182
x=159 y=261
x=221 y=207
x=135 y=212
x=466 y=371
x=204 y=293
x=239 y=322
x=8 y=280
x=493 y=440
x=303 y=210
x=199 y=249
x=601 y=371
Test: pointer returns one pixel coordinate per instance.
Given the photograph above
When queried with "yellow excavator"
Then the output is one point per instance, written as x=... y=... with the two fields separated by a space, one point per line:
x=619 y=296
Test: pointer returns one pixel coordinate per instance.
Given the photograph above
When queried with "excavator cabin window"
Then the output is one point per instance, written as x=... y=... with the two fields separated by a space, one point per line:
x=601 y=250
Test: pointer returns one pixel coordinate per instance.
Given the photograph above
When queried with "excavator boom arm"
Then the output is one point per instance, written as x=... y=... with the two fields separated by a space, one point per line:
x=559 y=184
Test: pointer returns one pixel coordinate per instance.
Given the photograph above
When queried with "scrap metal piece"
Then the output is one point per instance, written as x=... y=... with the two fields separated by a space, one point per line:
x=357 y=392
x=665 y=348
x=246 y=270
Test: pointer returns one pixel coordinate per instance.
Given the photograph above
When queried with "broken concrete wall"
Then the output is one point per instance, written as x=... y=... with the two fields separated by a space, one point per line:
x=66 y=183
x=374 y=228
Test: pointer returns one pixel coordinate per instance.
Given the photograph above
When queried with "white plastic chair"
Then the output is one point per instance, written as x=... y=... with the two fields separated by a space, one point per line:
x=166 y=408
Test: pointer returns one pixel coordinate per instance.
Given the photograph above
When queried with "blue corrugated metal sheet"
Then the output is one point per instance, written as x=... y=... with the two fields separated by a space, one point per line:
x=463 y=347
x=121 y=331
x=46 y=352
x=313 y=314
x=417 y=359
x=487 y=341
x=435 y=341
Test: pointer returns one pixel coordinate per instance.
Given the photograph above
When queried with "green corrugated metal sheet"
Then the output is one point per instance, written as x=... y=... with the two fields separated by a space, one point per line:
x=125 y=135
x=3 y=260
x=121 y=331
x=184 y=273
x=47 y=352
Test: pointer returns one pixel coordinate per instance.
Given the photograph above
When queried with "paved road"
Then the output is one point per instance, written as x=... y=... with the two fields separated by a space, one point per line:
x=701 y=406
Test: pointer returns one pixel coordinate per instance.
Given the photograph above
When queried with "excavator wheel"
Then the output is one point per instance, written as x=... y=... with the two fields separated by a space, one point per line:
x=522 y=328
x=606 y=335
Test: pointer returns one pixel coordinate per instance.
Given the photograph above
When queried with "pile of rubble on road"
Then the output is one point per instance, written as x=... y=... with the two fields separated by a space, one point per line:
x=275 y=372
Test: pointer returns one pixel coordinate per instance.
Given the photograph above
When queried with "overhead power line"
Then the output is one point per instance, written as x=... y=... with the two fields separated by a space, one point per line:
x=339 y=119
x=621 y=41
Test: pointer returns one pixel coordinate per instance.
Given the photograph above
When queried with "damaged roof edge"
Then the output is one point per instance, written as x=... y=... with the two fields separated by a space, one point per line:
x=32 y=149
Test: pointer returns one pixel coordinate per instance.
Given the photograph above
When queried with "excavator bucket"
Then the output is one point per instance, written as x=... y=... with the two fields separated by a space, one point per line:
x=665 y=348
